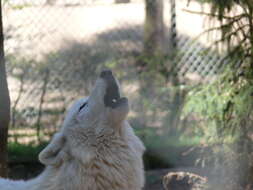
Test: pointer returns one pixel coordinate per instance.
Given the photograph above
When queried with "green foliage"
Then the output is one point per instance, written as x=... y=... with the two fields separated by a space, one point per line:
x=20 y=152
x=226 y=107
x=225 y=103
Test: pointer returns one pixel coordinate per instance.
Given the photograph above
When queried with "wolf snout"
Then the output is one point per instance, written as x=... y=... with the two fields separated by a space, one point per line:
x=112 y=92
x=106 y=73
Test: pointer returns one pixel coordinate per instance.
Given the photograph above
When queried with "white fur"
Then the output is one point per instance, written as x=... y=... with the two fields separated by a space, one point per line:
x=96 y=149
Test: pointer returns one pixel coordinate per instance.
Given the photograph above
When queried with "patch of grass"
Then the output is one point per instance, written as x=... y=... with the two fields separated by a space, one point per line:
x=19 y=7
x=168 y=151
x=19 y=152
x=162 y=152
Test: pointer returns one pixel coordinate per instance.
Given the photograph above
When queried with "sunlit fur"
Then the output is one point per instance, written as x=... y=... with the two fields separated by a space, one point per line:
x=96 y=149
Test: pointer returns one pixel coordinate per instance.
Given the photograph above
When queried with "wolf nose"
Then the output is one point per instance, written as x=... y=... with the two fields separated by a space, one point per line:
x=105 y=73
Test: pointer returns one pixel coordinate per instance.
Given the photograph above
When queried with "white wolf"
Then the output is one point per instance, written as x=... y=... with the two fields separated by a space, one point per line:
x=96 y=148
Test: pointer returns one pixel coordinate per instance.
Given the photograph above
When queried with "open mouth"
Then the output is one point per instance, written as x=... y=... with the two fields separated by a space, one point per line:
x=112 y=97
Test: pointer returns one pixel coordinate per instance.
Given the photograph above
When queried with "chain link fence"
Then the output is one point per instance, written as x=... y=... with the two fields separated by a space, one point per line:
x=54 y=49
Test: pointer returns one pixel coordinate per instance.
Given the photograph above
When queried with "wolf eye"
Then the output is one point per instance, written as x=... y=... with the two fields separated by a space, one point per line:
x=82 y=106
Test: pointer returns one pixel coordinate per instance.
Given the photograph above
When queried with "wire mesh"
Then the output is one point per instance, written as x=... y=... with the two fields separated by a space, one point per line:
x=54 y=47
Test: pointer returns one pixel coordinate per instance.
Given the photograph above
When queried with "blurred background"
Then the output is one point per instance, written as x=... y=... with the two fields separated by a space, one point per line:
x=186 y=67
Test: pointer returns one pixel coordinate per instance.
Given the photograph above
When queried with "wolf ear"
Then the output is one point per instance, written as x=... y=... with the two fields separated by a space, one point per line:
x=54 y=154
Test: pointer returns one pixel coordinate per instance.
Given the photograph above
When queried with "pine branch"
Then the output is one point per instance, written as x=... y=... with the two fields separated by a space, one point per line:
x=213 y=14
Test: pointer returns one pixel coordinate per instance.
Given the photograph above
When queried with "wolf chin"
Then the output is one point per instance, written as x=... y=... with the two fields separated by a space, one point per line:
x=96 y=148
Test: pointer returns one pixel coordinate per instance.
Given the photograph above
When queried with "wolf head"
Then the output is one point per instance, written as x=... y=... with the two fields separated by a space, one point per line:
x=104 y=108
x=89 y=121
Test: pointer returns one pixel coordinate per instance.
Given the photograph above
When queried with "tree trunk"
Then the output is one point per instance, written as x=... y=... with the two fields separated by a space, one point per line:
x=154 y=29
x=122 y=1
x=4 y=105
x=51 y=2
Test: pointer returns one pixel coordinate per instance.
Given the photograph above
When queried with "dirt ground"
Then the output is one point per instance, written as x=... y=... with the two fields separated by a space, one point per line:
x=39 y=30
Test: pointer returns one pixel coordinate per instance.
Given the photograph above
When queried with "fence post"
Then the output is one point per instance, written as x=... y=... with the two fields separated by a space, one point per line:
x=173 y=25
x=177 y=95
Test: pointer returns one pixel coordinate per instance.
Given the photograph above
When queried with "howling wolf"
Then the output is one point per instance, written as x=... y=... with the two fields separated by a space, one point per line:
x=96 y=148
